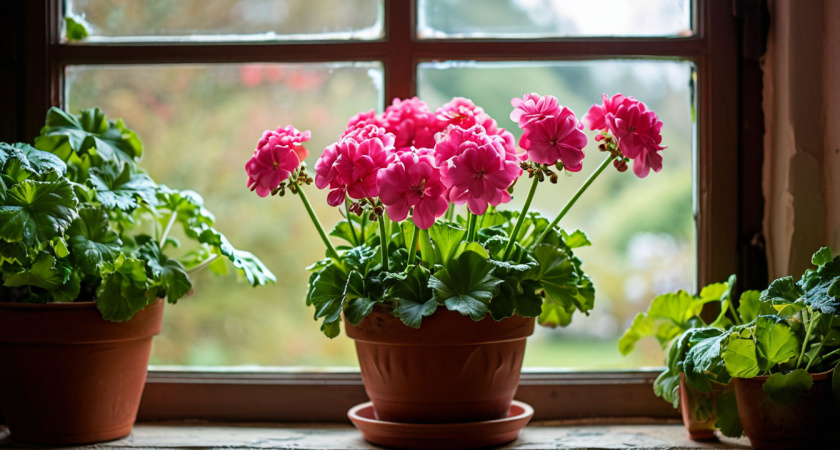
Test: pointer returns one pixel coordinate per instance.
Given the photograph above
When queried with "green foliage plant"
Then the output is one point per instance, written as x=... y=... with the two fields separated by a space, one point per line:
x=81 y=221
x=675 y=320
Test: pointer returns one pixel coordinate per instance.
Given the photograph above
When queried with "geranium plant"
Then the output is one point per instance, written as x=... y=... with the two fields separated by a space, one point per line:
x=80 y=221
x=399 y=177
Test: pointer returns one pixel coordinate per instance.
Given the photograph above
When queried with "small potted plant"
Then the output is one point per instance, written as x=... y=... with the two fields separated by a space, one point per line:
x=84 y=269
x=433 y=281
x=674 y=320
x=781 y=362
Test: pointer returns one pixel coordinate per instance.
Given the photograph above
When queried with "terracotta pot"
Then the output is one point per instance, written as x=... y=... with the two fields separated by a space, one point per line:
x=770 y=425
x=69 y=377
x=451 y=369
x=698 y=409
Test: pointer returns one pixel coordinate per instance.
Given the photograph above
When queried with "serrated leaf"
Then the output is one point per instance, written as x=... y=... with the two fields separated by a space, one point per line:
x=776 y=342
x=750 y=306
x=29 y=160
x=740 y=358
x=703 y=359
x=44 y=273
x=414 y=297
x=466 y=285
x=123 y=289
x=566 y=290
x=357 y=309
x=119 y=186
x=781 y=291
x=92 y=241
x=89 y=134
x=327 y=295
x=170 y=273
x=576 y=239
x=36 y=211
x=787 y=389
x=248 y=265
x=822 y=256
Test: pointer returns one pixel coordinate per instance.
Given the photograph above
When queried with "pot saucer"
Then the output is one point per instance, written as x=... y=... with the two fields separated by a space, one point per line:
x=444 y=435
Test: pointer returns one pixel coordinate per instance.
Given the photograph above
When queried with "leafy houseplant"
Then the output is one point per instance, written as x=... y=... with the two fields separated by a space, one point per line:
x=781 y=360
x=84 y=236
x=674 y=320
x=416 y=269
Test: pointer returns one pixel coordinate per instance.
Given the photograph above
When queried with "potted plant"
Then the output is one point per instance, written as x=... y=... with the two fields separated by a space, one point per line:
x=781 y=362
x=431 y=293
x=673 y=319
x=84 y=268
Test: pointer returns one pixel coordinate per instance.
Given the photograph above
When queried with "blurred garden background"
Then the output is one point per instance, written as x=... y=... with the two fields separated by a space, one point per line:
x=200 y=123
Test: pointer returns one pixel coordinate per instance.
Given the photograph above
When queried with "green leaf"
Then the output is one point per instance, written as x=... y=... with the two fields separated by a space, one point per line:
x=358 y=308
x=92 y=241
x=36 y=211
x=787 y=389
x=248 y=265
x=414 y=297
x=91 y=134
x=668 y=316
x=29 y=160
x=703 y=363
x=123 y=289
x=576 y=239
x=783 y=290
x=447 y=238
x=75 y=28
x=777 y=343
x=44 y=273
x=117 y=185
x=327 y=296
x=360 y=258
x=516 y=297
x=170 y=273
x=727 y=419
x=750 y=306
x=714 y=291
x=566 y=289
x=740 y=358
x=466 y=286
x=342 y=230
x=822 y=257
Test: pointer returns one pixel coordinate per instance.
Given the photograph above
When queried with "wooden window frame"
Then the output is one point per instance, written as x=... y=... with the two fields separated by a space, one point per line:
x=725 y=50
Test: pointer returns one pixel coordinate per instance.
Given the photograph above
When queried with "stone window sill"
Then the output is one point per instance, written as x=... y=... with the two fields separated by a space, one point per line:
x=602 y=434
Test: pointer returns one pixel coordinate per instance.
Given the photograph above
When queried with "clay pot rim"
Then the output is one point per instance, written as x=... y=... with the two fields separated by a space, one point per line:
x=58 y=305
x=816 y=376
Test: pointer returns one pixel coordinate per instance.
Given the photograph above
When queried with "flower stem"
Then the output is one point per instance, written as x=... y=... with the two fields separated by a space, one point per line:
x=383 y=241
x=330 y=249
x=521 y=219
x=203 y=264
x=807 y=337
x=472 y=219
x=350 y=221
x=450 y=212
x=412 y=250
x=168 y=229
x=575 y=198
x=819 y=349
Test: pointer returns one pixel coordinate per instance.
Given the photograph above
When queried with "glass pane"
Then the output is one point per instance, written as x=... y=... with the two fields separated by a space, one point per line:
x=437 y=19
x=229 y=19
x=642 y=230
x=199 y=123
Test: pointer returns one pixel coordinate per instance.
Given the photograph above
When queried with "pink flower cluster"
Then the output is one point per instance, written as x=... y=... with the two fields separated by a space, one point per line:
x=277 y=156
x=637 y=129
x=551 y=132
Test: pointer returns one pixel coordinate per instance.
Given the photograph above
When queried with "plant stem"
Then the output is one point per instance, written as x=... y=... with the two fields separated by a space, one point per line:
x=168 y=228
x=330 y=249
x=412 y=250
x=364 y=227
x=450 y=212
x=350 y=222
x=575 y=198
x=471 y=222
x=383 y=241
x=819 y=349
x=521 y=219
x=807 y=337
x=735 y=317
x=830 y=354
x=203 y=264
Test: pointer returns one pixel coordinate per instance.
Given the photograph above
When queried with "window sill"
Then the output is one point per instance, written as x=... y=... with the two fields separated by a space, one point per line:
x=604 y=434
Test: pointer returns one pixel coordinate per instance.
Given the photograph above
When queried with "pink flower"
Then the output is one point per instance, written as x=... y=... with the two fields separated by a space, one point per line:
x=480 y=173
x=558 y=137
x=533 y=107
x=413 y=181
x=638 y=131
x=463 y=113
x=277 y=155
x=370 y=131
x=364 y=118
x=597 y=115
x=412 y=123
x=350 y=167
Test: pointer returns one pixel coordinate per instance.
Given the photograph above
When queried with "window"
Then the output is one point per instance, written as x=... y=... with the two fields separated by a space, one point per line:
x=352 y=62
